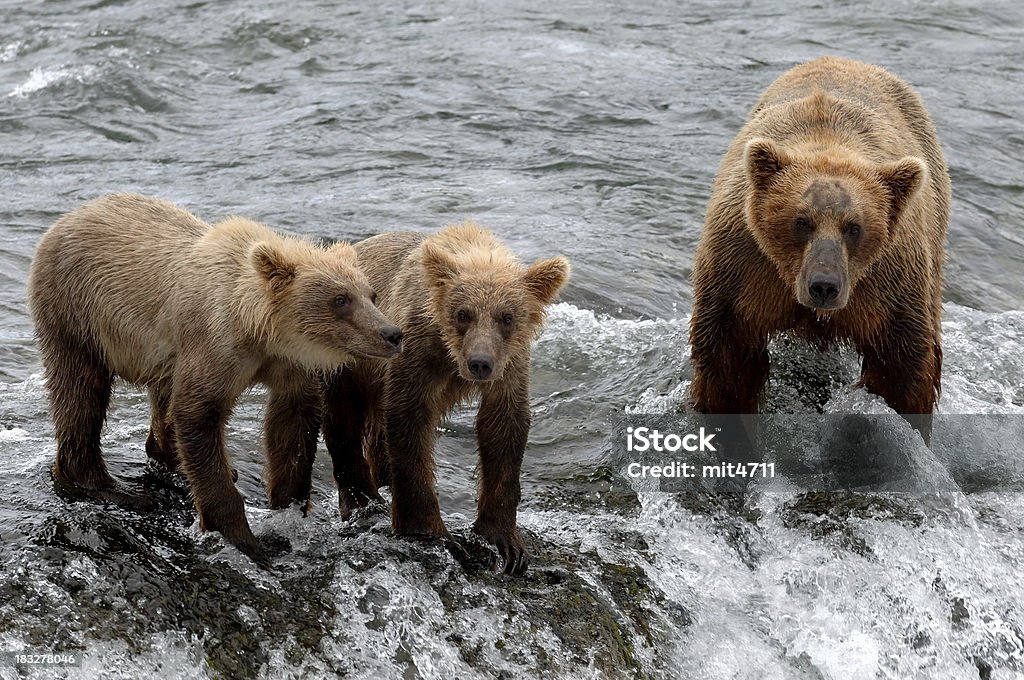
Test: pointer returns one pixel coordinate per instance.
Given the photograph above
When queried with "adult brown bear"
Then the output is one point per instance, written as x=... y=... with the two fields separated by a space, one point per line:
x=470 y=310
x=827 y=218
x=135 y=287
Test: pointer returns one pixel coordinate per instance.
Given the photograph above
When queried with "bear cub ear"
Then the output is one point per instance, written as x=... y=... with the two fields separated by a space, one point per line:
x=438 y=265
x=764 y=161
x=545 y=278
x=902 y=178
x=271 y=264
x=345 y=250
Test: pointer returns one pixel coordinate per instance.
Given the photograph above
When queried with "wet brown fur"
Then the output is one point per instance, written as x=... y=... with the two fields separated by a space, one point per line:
x=387 y=414
x=847 y=143
x=135 y=287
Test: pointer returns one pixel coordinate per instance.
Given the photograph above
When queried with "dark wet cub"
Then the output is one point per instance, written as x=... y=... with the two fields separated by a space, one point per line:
x=469 y=309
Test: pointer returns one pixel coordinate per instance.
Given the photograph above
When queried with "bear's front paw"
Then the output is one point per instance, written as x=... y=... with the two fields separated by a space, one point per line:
x=510 y=547
x=351 y=499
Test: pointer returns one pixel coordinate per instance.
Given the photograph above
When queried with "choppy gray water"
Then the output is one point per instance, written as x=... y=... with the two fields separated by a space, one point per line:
x=590 y=129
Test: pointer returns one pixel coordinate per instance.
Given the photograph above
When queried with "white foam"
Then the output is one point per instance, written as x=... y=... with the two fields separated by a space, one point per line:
x=9 y=52
x=41 y=78
x=14 y=434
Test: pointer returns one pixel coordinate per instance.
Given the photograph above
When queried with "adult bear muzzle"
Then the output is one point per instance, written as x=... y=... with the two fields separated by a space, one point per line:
x=824 y=281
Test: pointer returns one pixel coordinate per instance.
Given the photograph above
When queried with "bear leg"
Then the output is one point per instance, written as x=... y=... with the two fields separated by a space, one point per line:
x=411 y=428
x=291 y=428
x=376 y=451
x=200 y=406
x=907 y=374
x=503 y=426
x=345 y=422
x=79 y=398
x=730 y=367
x=79 y=384
x=160 y=445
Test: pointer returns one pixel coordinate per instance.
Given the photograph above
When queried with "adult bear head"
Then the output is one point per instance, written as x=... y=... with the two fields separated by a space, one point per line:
x=824 y=218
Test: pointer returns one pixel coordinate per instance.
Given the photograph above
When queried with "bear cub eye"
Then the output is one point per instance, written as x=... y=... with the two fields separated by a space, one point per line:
x=373 y=297
x=341 y=300
x=853 y=230
x=462 y=316
x=507 y=319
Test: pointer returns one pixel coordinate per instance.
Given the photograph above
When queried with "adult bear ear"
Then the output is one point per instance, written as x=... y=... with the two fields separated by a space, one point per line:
x=764 y=161
x=271 y=264
x=902 y=178
x=544 y=278
x=438 y=265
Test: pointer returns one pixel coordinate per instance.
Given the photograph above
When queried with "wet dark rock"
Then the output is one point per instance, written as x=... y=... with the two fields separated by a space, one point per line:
x=959 y=613
x=827 y=515
x=597 y=491
x=123 y=577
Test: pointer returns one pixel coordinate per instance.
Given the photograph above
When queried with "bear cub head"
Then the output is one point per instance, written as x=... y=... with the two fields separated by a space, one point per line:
x=488 y=305
x=824 y=218
x=321 y=309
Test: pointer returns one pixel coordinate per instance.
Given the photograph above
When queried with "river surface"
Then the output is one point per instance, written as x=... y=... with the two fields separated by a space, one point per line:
x=591 y=129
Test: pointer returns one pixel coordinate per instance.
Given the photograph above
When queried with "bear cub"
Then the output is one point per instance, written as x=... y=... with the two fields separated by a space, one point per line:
x=469 y=310
x=137 y=288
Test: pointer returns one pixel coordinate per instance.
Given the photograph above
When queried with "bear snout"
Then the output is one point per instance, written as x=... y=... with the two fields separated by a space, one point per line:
x=824 y=290
x=392 y=335
x=823 y=283
x=481 y=366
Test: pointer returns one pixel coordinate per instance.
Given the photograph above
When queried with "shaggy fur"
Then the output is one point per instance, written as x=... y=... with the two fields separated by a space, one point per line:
x=461 y=296
x=839 y=163
x=135 y=287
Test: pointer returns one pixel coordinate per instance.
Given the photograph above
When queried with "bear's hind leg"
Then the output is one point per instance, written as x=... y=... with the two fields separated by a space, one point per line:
x=79 y=384
x=291 y=428
x=345 y=424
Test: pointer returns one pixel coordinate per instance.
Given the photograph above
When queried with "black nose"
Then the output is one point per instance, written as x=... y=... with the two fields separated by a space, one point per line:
x=824 y=289
x=391 y=335
x=481 y=366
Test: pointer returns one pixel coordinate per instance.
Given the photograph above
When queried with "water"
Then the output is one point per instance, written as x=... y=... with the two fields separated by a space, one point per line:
x=589 y=129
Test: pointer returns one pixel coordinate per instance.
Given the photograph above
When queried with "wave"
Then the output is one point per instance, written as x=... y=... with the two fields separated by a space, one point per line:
x=41 y=78
x=983 y=369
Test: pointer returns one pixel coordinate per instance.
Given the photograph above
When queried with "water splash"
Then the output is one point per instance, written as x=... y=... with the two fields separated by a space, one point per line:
x=41 y=78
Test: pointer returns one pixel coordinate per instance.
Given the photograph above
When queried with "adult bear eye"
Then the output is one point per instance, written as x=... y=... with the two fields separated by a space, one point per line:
x=462 y=316
x=802 y=224
x=373 y=297
x=340 y=300
x=853 y=230
x=507 y=319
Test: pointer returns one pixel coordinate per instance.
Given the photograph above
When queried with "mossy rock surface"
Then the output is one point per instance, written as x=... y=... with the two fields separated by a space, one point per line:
x=101 y=574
